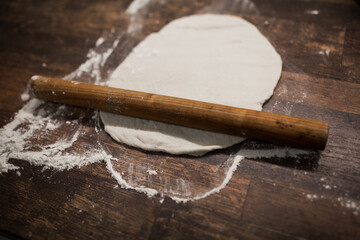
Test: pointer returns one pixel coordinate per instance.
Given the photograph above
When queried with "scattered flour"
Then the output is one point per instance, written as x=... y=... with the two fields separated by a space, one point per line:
x=25 y=97
x=151 y=172
x=51 y=126
x=148 y=191
x=96 y=60
x=350 y=204
x=99 y=41
x=311 y=197
x=236 y=161
x=136 y=5
x=313 y=12
x=324 y=52
x=136 y=18
x=34 y=119
x=92 y=66
x=14 y=141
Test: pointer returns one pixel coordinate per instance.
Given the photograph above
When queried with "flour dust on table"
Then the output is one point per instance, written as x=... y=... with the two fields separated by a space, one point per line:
x=212 y=58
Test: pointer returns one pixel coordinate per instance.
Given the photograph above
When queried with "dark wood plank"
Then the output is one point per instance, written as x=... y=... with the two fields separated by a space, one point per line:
x=72 y=204
x=303 y=216
x=200 y=219
x=350 y=61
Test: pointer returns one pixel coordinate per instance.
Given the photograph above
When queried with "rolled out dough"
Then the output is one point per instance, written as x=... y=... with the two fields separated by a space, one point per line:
x=213 y=58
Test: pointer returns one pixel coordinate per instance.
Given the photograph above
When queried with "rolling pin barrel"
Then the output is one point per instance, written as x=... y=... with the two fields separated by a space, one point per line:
x=292 y=131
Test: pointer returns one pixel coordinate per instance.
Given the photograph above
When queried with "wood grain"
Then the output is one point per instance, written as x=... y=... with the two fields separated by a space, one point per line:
x=276 y=198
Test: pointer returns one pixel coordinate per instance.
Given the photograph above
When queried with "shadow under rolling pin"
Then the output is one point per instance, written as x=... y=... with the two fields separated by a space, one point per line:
x=292 y=131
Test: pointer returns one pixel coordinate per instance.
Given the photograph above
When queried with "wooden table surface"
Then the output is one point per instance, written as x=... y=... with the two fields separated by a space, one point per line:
x=277 y=198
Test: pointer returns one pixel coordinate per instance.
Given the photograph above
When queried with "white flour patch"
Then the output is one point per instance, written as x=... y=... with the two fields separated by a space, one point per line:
x=282 y=90
x=97 y=58
x=312 y=12
x=181 y=191
x=302 y=97
x=25 y=97
x=34 y=122
x=311 y=197
x=288 y=108
x=15 y=139
x=51 y=126
x=135 y=6
x=135 y=10
x=151 y=172
x=93 y=64
x=150 y=192
x=324 y=53
x=99 y=41
x=236 y=161
x=350 y=204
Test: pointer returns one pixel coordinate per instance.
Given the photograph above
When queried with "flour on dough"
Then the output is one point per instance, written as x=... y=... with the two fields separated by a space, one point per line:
x=213 y=58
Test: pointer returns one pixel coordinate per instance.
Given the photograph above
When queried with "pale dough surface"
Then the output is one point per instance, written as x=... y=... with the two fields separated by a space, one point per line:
x=213 y=58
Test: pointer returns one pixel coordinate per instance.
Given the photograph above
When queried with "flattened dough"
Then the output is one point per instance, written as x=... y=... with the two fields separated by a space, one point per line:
x=213 y=58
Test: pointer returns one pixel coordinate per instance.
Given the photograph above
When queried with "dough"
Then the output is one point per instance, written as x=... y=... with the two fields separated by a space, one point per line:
x=213 y=58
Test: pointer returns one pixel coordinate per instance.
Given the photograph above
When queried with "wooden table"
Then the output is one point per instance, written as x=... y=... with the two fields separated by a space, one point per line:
x=277 y=198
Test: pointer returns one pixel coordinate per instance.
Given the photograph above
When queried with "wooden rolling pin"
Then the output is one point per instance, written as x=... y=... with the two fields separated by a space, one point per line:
x=292 y=131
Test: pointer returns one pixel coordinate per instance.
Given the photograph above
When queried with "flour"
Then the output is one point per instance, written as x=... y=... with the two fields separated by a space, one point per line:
x=236 y=161
x=182 y=190
x=151 y=172
x=136 y=18
x=350 y=204
x=147 y=191
x=99 y=41
x=93 y=65
x=313 y=12
x=324 y=52
x=14 y=141
x=25 y=97
x=311 y=197
x=96 y=58
x=51 y=126
x=136 y=5
x=34 y=121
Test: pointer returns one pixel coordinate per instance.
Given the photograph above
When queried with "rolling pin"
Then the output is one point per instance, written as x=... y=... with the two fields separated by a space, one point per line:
x=291 y=131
